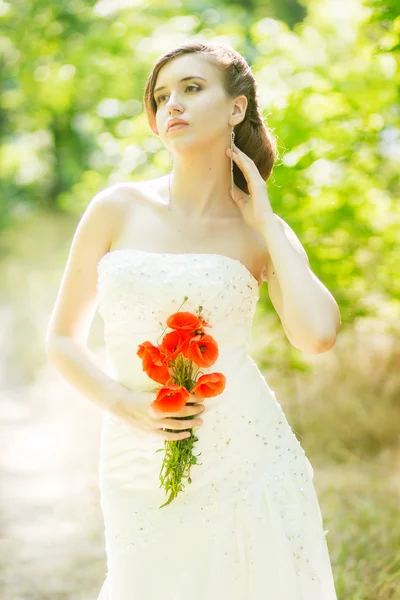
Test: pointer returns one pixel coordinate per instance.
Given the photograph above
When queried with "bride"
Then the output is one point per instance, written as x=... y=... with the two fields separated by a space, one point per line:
x=249 y=526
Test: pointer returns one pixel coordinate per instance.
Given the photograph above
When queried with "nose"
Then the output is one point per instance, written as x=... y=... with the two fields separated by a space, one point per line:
x=173 y=104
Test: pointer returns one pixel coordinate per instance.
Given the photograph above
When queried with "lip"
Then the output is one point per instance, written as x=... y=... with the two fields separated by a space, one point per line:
x=176 y=122
x=177 y=126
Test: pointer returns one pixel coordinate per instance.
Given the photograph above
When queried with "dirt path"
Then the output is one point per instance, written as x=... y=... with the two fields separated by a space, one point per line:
x=52 y=544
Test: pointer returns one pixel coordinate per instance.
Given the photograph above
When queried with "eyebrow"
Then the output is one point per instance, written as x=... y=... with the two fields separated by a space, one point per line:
x=184 y=79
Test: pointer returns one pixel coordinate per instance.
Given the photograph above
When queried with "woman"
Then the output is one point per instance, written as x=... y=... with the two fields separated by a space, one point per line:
x=249 y=526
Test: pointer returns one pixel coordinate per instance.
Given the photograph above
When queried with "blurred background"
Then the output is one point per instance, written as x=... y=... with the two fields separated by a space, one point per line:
x=72 y=123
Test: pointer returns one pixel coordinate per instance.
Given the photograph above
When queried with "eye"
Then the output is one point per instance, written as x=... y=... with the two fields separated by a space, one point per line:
x=191 y=85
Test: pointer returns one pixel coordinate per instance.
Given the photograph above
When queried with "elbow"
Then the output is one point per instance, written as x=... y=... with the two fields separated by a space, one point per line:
x=320 y=340
x=327 y=339
x=323 y=344
x=50 y=345
x=60 y=343
x=314 y=345
x=53 y=345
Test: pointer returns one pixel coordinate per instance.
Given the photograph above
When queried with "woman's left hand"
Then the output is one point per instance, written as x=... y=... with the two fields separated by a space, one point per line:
x=256 y=207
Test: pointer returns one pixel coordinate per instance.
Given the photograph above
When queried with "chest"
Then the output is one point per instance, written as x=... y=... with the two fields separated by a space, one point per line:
x=149 y=226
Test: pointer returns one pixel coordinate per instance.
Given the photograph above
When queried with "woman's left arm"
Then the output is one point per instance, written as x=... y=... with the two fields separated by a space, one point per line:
x=308 y=312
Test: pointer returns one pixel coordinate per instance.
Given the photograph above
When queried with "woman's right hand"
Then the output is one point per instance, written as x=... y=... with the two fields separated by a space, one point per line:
x=134 y=407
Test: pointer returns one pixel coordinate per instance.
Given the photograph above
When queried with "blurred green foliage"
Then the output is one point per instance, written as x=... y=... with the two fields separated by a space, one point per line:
x=73 y=123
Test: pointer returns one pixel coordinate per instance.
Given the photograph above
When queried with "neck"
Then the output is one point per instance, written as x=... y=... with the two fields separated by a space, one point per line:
x=200 y=185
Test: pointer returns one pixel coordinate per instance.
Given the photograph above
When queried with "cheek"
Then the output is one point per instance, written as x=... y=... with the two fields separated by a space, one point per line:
x=211 y=105
x=214 y=124
x=157 y=123
x=214 y=114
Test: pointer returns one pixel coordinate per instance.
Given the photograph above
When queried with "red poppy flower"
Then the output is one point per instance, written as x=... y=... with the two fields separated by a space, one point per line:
x=153 y=362
x=202 y=350
x=174 y=343
x=170 y=398
x=209 y=385
x=187 y=321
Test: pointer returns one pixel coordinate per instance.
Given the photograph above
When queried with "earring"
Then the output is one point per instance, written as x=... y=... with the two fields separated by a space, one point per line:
x=232 y=141
x=169 y=178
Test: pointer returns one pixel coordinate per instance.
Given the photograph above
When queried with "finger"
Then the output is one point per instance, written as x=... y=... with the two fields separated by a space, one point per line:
x=190 y=408
x=195 y=399
x=169 y=435
x=244 y=160
x=240 y=153
x=231 y=153
x=241 y=162
x=177 y=424
x=186 y=411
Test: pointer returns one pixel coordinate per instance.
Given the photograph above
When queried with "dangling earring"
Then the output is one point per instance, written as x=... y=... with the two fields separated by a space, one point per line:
x=232 y=141
x=169 y=178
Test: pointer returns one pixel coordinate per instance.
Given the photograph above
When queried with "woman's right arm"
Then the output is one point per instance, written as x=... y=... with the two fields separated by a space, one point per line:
x=76 y=301
x=72 y=316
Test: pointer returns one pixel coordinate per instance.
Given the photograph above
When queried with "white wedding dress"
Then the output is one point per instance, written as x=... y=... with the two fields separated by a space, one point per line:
x=249 y=526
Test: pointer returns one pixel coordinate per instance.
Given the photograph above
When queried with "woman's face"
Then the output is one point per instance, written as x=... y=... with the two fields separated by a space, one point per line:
x=199 y=100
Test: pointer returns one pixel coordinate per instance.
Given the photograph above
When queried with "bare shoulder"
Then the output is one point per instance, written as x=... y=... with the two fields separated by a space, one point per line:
x=98 y=227
x=101 y=222
x=115 y=201
x=117 y=195
x=145 y=190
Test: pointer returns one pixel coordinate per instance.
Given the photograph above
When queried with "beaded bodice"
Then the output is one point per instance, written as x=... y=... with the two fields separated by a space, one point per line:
x=138 y=290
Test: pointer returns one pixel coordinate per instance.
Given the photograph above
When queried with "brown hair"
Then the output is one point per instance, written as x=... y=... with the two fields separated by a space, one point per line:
x=251 y=135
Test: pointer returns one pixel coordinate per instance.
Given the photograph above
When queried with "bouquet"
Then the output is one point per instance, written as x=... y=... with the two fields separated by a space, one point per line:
x=173 y=363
